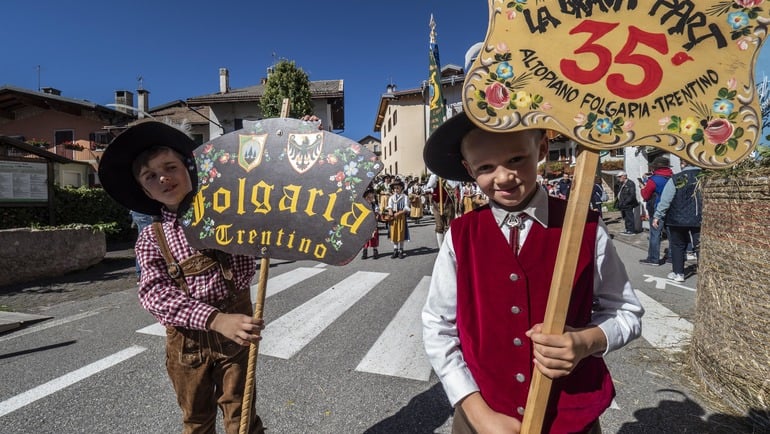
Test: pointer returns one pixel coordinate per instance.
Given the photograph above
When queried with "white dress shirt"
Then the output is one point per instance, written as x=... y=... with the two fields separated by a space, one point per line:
x=618 y=315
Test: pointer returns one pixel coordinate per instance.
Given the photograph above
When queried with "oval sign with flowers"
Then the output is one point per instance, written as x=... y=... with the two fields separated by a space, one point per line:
x=282 y=188
x=676 y=75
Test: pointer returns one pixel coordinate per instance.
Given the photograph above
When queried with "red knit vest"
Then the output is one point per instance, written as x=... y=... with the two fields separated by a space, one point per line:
x=500 y=296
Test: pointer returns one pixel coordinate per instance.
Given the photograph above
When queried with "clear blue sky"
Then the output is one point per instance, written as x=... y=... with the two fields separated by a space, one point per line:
x=90 y=48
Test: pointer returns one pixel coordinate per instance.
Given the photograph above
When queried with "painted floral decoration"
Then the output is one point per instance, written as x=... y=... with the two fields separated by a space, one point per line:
x=503 y=90
x=335 y=237
x=207 y=230
x=740 y=14
x=206 y=161
x=514 y=7
x=353 y=166
x=714 y=125
x=603 y=124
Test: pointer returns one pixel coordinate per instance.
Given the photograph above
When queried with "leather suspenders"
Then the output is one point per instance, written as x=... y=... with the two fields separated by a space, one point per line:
x=196 y=264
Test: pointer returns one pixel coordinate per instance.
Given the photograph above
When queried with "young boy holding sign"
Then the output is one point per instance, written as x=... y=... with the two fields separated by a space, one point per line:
x=203 y=298
x=483 y=317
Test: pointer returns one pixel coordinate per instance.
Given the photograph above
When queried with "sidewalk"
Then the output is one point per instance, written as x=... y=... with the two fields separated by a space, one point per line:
x=28 y=301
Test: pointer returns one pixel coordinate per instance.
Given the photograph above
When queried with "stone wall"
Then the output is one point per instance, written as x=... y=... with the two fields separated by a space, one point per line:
x=27 y=254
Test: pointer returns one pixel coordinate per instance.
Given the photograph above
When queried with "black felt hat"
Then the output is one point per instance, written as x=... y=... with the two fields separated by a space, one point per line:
x=442 y=150
x=115 y=172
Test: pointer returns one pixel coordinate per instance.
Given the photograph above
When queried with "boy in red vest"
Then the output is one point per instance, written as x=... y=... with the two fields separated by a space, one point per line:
x=483 y=317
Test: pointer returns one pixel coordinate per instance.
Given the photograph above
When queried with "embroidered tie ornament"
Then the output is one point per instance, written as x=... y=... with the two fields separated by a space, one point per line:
x=515 y=223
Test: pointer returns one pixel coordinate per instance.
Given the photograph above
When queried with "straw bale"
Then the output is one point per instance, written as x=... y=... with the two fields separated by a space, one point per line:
x=730 y=345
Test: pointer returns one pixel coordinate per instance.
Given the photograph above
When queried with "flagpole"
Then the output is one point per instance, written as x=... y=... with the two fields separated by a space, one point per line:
x=436 y=106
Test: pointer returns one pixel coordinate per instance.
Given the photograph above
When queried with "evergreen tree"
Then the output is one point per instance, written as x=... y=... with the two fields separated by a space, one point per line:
x=287 y=81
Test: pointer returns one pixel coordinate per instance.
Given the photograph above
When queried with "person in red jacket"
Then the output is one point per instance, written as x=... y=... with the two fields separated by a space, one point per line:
x=482 y=321
x=651 y=191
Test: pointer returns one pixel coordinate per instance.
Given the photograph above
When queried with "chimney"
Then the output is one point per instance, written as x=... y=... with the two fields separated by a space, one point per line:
x=51 y=91
x=143 y=102
x=224 y=80
x=124 y=101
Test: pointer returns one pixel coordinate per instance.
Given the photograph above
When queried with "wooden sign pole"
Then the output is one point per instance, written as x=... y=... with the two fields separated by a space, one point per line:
x=248 y=391
x=259 y=308
x=563 y=278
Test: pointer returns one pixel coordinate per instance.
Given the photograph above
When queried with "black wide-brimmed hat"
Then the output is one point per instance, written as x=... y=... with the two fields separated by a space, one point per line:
x=442 y=150
x=115 y=173
x=398 y=181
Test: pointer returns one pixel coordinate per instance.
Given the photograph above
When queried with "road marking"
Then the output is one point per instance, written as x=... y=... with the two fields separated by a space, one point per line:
x=49 y=324
x=661 y=327
x=661 y=282
x=154 y=329
x=286 y=280
x=399 y=351
x=53 y=386
x=290 y=333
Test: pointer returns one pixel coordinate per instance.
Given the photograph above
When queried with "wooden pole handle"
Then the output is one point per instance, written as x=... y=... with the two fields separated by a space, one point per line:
x=248 y=391
x=563 y=278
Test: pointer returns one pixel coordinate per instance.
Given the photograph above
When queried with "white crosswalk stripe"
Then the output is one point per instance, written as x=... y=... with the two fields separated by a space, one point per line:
x=661 y=327
x=399 y=350
x=21 y=400
x=288 y=334
x=286 y=280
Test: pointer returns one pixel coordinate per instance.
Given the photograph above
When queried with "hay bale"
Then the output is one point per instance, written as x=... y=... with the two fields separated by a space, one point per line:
x=730 y=346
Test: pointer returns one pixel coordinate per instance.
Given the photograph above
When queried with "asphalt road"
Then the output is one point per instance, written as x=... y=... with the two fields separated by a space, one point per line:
x=341 y=353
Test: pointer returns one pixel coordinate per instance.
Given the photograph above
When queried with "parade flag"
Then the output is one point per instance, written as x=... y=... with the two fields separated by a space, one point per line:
x=437 y=107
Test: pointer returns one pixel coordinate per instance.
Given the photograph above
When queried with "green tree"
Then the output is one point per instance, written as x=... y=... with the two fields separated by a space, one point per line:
x=287 y=81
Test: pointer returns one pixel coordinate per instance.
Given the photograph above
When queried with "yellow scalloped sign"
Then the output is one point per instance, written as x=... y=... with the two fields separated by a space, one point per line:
x=676 y=75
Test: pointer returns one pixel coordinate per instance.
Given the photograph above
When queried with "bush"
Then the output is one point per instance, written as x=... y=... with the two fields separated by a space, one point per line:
x=90 y=206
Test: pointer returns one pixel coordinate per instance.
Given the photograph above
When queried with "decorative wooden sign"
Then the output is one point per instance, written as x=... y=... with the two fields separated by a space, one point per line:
x=673 y=74
x=285 y=186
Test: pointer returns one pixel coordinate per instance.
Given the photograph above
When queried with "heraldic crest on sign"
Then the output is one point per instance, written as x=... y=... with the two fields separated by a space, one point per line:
x=303 y=150
x=625 y=73
x=251 y=148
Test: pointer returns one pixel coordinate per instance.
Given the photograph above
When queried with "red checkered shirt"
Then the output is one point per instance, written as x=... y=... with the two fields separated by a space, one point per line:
x=159 y=293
